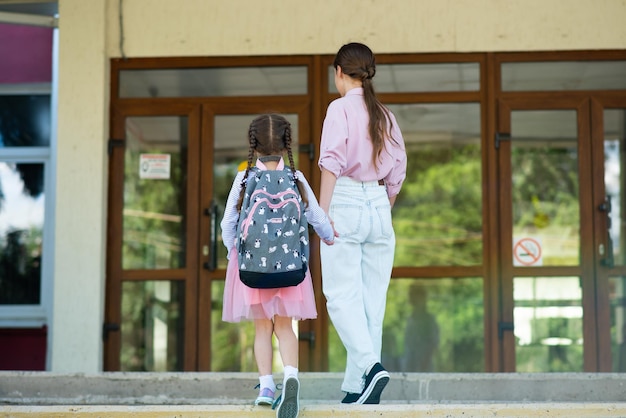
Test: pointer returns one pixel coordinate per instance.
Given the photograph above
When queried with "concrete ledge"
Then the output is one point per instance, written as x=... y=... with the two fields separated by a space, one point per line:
x=118 y=388
x=509 y=410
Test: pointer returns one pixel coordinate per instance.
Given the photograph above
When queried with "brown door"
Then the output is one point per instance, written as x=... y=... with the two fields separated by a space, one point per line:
x=561 y=265
x=153 y=233
x=225 y=346
x=608 y=124
x=171 y=167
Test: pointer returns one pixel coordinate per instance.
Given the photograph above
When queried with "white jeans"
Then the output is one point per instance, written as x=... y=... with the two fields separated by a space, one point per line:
x=356 y=271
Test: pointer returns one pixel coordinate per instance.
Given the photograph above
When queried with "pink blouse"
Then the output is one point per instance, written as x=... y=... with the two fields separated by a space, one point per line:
x=346 y=148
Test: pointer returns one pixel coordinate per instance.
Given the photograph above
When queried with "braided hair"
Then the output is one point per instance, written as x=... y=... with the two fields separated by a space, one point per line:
x=270 y=135
x=357 y=61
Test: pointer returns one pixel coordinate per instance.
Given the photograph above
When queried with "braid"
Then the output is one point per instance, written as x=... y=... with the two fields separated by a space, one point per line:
x=287 y=140
x=253 y=144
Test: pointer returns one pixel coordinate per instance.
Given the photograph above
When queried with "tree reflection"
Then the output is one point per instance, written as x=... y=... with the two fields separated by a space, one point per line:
x=20 y=267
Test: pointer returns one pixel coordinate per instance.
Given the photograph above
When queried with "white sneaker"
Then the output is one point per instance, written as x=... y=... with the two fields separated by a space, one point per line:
x=290 y=399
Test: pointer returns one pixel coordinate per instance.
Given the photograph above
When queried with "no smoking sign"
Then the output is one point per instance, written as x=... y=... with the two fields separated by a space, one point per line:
x=527 y=252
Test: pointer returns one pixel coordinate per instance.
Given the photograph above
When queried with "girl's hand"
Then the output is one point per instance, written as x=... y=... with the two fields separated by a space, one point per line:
x=335 y=233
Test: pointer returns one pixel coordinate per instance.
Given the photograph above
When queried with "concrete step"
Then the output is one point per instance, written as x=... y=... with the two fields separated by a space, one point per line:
x=200 y=395
x=190 y=388
x=309 y=410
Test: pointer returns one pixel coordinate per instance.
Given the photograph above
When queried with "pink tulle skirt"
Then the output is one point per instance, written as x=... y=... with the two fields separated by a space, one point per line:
x=245 y=303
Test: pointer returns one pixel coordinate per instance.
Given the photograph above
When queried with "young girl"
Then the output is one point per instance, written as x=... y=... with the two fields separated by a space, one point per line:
x=363 y=163
x=272 y=310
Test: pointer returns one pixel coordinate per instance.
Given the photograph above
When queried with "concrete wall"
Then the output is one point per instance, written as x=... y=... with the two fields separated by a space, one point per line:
x=80 y=222
x=252 y=27
x=90 y=35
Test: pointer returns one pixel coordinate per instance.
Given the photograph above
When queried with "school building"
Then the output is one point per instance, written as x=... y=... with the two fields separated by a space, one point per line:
x=123 y=122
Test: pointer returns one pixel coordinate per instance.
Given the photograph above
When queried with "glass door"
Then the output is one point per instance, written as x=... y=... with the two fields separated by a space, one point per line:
x=609 y=142
x=152 y=262
x=548 y=286
x=226 y=346
x=172 y=166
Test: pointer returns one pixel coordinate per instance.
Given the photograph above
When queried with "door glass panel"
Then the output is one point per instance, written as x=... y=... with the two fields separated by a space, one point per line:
x=402 y=78
x=152 y=326
x=214 y=82
x=438 y=214
x=232 y=345
x=22 y=201
x=617 y=299
x=155 y=193
x=231 y=155
x=544 y=168
x=563 y=75
x=430 y=326
x=548 y=324
x=614 y=177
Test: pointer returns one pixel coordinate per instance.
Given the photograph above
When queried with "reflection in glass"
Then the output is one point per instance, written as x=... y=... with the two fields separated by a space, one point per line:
x=232 y=344
x=22 y=200
x=438 y=214
x=563 y=75
x=155 y=193
x=402 y=78
x=152 y=326
x=430 y=326
x=25 y=120
x=545 y=188
x=214 y=82
x=617 y=300
x=614 y=137
x=230 y=152
x=548 y=320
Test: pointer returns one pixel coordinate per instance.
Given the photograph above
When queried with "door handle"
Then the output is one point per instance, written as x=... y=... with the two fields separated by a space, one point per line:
x=307 y=336
x=211 y=212
x=504 y=326
x=109 y=327
x=608 y=260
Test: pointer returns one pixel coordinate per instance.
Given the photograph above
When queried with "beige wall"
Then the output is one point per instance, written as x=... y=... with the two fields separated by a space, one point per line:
x=80 y=190
x=89 y=35
x=257 y=27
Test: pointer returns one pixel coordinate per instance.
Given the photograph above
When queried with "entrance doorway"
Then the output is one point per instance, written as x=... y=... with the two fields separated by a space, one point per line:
x=561 y=171
x=509 y=255
x=172 y=167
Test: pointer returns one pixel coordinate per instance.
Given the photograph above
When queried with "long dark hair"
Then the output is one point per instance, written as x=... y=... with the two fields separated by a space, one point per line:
x=357 y=61
x=270 y=134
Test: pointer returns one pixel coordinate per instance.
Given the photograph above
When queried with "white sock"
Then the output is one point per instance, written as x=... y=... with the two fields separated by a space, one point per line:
x=267 y=381
x=290 y=371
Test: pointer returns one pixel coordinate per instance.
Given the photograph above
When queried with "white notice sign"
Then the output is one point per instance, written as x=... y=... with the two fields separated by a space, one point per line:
x=154 y=166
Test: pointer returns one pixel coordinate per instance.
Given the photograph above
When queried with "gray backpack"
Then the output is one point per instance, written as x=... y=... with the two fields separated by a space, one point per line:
x=273 y=233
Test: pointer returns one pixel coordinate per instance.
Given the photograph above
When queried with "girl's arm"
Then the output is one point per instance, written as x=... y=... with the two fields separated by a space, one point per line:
x=316 y=216
x=231 y=216
x=327 y=188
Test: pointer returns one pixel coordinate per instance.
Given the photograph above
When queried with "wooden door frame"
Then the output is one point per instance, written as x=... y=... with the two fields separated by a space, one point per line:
x=581 y=104
x=219 y=107
x=600 y=103
x=114 y=272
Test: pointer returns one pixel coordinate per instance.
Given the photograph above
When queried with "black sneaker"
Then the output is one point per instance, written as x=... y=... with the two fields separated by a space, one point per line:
x=351 y=397
x=375 y=382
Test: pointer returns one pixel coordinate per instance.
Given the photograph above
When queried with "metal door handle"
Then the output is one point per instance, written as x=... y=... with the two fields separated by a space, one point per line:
x=211 y=212
x=608 y=260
